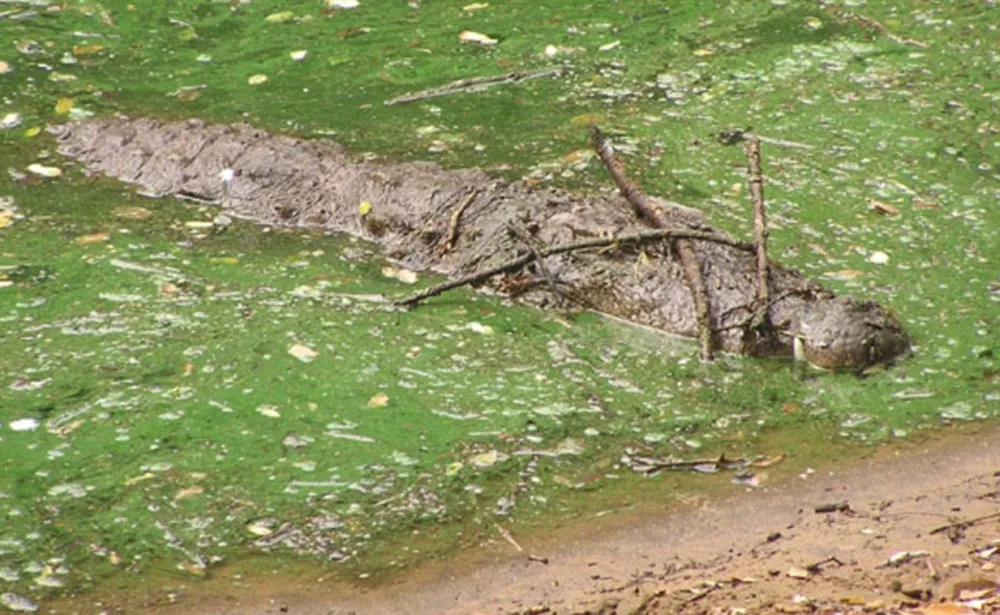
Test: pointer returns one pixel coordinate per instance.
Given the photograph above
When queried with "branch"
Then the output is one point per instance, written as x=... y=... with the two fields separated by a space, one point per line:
x=449 y=241
x=639 y=238
x=655 y=217
x=476 y=84
x=874 y=25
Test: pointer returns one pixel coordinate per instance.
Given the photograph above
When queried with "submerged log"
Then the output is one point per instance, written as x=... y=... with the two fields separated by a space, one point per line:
x=417 y=208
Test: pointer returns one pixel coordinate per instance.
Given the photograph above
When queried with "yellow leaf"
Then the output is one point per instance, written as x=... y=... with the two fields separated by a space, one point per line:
x=189 y=492
x=257 y=79
x=135 y=480
x=226 y=260
x=365 y=208
x=63 y=105
x=132 y=213
x=86 y=240
x=380 y=400
x=86 y=50
x=586 y=118
x=33 y=131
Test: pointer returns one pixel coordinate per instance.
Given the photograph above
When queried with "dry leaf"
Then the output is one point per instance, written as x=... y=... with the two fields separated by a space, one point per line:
x=132 y=213
x=379 y=400
x=468 y=36
x=86 y=50
x=883 y=208
x=303 y=353
x=86 y=240
x=44 y=171
x=189 y=492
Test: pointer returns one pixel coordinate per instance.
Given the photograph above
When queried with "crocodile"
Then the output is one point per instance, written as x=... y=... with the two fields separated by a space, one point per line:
x=456 y=222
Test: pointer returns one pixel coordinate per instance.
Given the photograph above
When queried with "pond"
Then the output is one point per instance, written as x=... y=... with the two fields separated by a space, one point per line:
x=175 y=392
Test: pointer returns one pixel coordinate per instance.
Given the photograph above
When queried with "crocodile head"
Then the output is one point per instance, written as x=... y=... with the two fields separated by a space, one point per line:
x=842 y=333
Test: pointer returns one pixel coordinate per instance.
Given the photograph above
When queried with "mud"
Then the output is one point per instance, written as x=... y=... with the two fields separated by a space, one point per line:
x=285 y=181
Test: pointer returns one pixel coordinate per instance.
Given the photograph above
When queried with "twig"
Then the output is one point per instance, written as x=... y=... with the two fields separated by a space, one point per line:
x=817 y=566
x=449 y=241
x=737 y=135
x=510 y=539
x=756 y=180
x=553 y=283
x=595 y=242
x=874 y=25
x=961 y=525
x=656 y=218
x=653 y=466
x=475 y=84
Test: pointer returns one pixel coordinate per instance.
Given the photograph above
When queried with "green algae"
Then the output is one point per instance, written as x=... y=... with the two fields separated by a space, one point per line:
x=155 y=352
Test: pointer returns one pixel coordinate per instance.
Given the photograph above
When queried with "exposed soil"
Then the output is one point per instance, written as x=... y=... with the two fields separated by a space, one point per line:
x=458 y=222
x=763 y=550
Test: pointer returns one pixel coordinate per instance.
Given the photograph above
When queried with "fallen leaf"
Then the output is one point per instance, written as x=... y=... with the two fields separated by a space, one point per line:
x=406 y=276
x=86 y=50
x=44 y=171
x=380 y=400
x=883 y=208
x=844 y=274
x=132 y=213
x=189 y=492
x=135 y=480
x=948 y=608
x=86 y=240
x=282 y=17
x=63 y=105
x=468 y=36
x=257 y=79
x=303 y=353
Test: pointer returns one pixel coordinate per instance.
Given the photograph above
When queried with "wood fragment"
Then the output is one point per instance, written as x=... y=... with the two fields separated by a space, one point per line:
x=652 y=235
x=452 y=235
x=476 y=84
x=655 y=217
x=870 y=23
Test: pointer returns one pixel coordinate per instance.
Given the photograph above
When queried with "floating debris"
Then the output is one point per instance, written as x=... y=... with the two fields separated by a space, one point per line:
x=44 y=171
x=18 y=604
x=25 y=424
x=10 y=121
x=468 y=36
x=303 y=353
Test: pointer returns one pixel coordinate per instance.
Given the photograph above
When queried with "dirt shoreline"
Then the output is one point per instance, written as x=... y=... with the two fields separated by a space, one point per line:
x=741 y=551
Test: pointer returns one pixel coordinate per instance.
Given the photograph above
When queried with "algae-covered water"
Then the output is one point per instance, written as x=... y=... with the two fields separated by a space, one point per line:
x=176 y=392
